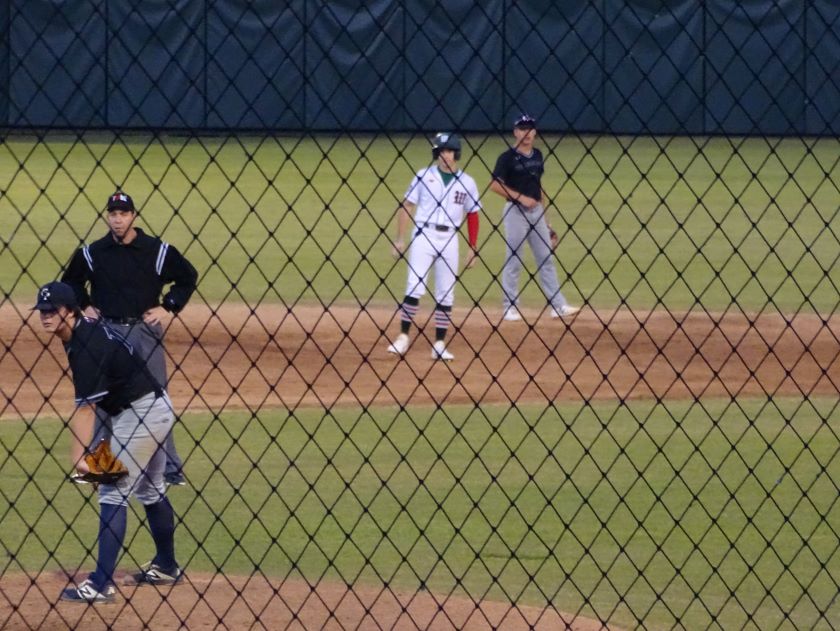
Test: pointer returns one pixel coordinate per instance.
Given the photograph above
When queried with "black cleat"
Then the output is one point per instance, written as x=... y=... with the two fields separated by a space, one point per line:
x=151 y=574
x=86 y=592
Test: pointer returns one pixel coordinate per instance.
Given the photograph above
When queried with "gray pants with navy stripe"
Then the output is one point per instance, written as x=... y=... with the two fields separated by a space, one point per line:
x=147 y=340
x=136 y=440
x=529 y=226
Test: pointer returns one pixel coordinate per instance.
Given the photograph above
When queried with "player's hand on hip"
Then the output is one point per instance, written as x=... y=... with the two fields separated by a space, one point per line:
x=91 y=312
x=397 y=249
x=155 y=315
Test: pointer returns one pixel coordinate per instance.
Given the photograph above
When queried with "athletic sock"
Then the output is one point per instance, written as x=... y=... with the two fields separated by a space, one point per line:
x=162 y=525
x=408 y=311
x=442 y=314
x=112 y=524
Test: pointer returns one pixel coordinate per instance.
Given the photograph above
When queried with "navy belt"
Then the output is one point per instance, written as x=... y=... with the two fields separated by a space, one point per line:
x=125 y=321
x=121 y=408
x=437 y=226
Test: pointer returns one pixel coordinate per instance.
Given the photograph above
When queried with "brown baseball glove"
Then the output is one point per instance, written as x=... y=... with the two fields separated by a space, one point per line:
x=105 y=468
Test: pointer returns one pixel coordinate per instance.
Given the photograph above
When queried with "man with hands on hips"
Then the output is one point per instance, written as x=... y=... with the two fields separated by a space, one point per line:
x=127 y=271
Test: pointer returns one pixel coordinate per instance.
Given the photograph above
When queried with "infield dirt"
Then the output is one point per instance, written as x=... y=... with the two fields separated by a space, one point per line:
x=236 y=357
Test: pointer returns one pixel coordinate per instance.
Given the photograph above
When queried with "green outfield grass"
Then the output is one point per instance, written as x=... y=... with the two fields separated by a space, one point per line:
x=675 y=222
x=711 y=512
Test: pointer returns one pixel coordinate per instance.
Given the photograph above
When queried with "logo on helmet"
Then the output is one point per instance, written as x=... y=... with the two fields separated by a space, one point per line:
x=446 y=140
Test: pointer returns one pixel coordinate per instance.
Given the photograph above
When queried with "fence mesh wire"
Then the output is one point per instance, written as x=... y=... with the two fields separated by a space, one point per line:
x=668 y=457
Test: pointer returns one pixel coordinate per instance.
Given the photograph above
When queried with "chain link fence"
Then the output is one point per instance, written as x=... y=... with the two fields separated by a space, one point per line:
x=667 y=457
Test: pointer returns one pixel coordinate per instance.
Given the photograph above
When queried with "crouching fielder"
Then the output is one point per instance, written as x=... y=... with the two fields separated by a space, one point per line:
x=439 y=196
x=107 y=373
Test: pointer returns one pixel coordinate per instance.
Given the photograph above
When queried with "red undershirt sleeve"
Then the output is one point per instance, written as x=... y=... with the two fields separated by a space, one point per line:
x=472 y=229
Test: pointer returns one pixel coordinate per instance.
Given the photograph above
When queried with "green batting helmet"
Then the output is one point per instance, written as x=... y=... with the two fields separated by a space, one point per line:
x=446 y=140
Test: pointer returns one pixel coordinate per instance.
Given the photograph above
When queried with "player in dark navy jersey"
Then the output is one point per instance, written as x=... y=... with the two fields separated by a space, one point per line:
x=517 y=177
x=127 y=271
x=108 y=374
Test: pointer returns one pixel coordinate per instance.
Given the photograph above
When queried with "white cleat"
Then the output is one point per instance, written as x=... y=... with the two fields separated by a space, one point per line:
x=400 y=345
x=439 y=352
x=512 y=315
x=566 y=311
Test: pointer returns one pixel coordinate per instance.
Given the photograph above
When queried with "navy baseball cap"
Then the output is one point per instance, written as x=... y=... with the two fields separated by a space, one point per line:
x=54 y=295
x=120 y=201
x=525 y=121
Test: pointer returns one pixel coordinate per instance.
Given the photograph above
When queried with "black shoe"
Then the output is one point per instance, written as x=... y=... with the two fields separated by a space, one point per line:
x=86 y=592
x=151 y=574
x=174 y=479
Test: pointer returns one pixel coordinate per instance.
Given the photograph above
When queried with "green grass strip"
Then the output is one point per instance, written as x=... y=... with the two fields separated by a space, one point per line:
x=648 y=221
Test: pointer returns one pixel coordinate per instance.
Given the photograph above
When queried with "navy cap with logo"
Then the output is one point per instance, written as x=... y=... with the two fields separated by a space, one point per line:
x=54 y=295
x=120 y=201
x=525 y=121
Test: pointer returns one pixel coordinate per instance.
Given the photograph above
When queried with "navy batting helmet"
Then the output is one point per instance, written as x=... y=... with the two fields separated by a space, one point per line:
x=446 y=140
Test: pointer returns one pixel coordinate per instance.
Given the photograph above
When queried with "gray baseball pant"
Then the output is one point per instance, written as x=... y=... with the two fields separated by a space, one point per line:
x=529 y=226
x=147 y=340
x=138 y=433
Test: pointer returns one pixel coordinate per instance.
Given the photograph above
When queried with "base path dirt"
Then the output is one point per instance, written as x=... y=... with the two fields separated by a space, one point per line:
x=233 y=357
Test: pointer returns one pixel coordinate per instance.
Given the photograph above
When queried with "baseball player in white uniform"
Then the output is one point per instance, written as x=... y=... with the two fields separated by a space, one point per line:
x=439 y=197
